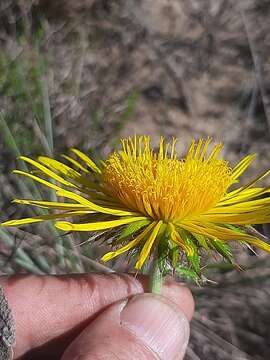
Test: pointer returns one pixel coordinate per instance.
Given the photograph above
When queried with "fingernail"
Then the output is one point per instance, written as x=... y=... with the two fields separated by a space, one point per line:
x=158 y=323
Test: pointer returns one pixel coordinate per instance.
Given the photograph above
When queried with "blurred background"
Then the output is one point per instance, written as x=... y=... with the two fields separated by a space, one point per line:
x=85 y=73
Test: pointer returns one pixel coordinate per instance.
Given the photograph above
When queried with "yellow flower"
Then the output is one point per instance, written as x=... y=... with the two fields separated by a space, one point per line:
x=157 y=200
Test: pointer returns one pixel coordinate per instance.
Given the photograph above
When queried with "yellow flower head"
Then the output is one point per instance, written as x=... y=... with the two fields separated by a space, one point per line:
x=177 y=206
x=162 y=187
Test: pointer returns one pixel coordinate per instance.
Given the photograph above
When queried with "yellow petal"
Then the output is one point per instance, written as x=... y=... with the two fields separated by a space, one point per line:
x=245 y=213
x=176 y=238
x=38 y=179
x=47 y=171
x=241 y=206
x=90 y=163
x=204 y=149
x=130 y=245
x=90 y=205
x=259 y=243
x=51 y=204
x=67 y=226
x=148 y=245
x=242 y=166
x=215 y=152
x=214 y=231
x=240 y=195
x=41 y=218
x=75 y=163
x=58 y=166
x=69 y=172
x=252 y=182
x=251 y=218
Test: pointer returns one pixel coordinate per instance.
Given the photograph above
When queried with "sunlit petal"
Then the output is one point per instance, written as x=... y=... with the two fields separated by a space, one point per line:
x=68 y=226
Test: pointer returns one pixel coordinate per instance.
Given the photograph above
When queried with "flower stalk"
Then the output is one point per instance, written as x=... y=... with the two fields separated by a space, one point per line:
x=155 y=281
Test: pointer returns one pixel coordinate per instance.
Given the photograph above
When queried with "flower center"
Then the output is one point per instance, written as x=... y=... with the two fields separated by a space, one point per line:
x=159 y=185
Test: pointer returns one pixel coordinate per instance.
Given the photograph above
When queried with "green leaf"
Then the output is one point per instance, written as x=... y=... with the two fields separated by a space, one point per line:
x=235 y=228
x=128 y=112
x=163 y=247
x=132 y=228
x=187 y=273
x=202 y=241
x=222 y=248
x=174 y=254
x=193 y=256
x=194 y=261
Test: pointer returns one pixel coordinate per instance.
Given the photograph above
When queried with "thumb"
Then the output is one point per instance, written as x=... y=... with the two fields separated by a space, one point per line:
x=144 y=327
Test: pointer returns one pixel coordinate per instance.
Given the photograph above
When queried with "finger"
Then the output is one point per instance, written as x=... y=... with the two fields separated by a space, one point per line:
x=147 y=327
x=50 y=311
x=48 y=307
x=179 y=294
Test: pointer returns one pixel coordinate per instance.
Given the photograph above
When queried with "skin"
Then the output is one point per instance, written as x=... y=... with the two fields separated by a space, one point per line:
x=96 y=317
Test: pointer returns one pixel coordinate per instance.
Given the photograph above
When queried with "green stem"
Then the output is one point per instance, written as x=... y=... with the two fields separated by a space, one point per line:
x=155 y=284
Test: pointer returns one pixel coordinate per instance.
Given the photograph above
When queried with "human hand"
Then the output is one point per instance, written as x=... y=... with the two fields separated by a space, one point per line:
x=97 y=317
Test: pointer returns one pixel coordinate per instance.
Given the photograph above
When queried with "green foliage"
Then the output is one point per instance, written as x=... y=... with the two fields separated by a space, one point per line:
x=202 y=241
x=192 y=255
x=119 y=122
x=22 y=88
x=24 y=91
x=169 y=255
x=131 y=102
x=235 y=228
x=187 y=273
x=222 y=248
x=174 y=254
x=162 y=242
x=130 y=229
x=20 y=79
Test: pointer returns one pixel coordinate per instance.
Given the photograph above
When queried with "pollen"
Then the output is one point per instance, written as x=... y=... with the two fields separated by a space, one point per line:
x=163 y=187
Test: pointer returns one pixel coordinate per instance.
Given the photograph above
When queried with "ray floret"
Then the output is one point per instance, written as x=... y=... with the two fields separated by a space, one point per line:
x=156 y=199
